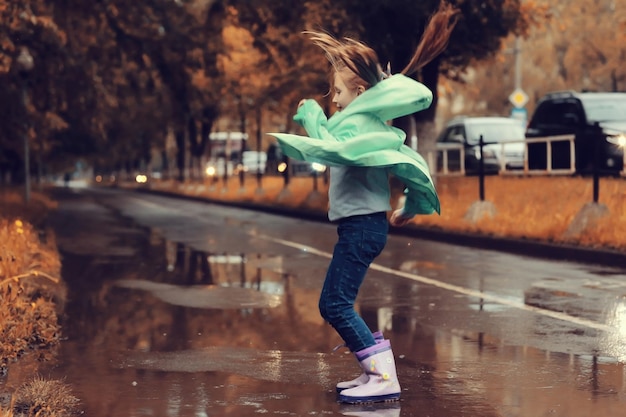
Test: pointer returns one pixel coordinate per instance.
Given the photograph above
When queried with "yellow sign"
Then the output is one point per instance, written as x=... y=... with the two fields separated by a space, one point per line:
x=518 y=98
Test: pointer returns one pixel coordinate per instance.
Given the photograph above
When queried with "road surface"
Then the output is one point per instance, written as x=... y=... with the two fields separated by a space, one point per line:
x=183 y=308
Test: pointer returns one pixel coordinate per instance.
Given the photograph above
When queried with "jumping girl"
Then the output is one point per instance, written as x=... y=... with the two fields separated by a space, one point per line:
x=362 y=150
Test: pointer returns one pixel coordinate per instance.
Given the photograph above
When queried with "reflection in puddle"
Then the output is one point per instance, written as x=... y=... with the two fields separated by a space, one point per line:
x=208 y=296
x=526 y=381
x=371 y=410
x=230 y=280
x=268 y=365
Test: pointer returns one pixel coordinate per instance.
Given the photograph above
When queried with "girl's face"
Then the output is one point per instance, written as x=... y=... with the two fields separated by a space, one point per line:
x=344 y=95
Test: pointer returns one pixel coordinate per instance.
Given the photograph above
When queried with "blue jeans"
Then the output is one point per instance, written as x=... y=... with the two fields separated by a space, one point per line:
x=361 y=239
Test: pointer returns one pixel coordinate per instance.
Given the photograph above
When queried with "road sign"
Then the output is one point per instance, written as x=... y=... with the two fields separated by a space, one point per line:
x=518 y=98
x=520 y=114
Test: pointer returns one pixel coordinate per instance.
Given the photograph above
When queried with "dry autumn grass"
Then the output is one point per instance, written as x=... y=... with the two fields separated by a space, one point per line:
x=538 y=208
x=43 y=398
x=30 y=291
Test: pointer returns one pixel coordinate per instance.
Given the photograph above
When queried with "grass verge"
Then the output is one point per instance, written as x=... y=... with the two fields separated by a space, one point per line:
x=31 y=293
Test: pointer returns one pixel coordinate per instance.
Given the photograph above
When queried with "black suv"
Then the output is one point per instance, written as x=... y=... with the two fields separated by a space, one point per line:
x=598 y=121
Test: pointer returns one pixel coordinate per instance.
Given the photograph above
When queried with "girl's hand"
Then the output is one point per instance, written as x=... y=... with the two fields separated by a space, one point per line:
x=397 y=219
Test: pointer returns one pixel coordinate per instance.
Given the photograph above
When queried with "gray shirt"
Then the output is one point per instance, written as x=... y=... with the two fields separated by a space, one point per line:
x=357 y=190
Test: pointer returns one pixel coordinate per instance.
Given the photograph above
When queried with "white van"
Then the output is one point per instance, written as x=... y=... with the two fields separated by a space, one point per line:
x=254 y=162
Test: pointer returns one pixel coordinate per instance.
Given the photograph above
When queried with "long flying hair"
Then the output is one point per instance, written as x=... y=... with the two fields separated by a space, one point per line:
x=435 y=37
x=362 y=61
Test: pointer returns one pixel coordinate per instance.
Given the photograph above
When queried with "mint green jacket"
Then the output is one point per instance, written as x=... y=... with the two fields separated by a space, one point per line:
x=359 y=136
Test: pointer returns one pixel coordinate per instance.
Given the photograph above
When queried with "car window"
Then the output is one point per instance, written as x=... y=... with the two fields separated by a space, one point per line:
x=495 y=132
x=605 y=109
x=453 y=134
x=456 y=134
x=552 y=113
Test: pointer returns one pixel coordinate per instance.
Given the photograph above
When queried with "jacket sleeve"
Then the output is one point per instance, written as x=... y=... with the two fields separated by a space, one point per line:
x=345 y=145
x=312 y=118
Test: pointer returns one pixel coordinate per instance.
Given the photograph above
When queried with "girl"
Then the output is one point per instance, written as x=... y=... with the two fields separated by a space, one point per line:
x=362 y=150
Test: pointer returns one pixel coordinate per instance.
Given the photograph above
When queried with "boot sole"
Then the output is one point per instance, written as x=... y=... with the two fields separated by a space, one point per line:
x=375 y=399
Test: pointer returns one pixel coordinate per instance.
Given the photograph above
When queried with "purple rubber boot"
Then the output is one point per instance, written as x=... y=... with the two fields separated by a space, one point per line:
x=363 y=378
x=382 y=385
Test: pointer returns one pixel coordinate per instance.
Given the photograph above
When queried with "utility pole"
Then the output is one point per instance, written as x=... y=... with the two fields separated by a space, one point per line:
x=518 y=63
x=518 y=97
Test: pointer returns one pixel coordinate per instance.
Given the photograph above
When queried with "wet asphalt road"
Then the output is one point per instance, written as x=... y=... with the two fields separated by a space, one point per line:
x=181 y=308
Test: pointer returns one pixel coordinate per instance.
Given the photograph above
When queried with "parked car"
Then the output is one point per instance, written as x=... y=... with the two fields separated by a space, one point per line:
x=597 y=121
x=504 y=144
x=253 y=162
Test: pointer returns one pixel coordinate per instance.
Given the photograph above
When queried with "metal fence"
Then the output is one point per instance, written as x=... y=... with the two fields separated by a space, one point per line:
x=439 y=160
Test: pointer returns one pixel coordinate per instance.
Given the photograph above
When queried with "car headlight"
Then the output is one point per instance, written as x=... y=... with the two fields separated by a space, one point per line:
x=318 y=167
x=619 y=140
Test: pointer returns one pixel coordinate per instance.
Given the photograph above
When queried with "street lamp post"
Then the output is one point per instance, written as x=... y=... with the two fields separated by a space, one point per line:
x=25 y=64
x=259 y=173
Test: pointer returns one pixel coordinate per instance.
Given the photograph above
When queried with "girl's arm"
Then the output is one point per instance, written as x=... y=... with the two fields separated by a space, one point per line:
x=399 y=218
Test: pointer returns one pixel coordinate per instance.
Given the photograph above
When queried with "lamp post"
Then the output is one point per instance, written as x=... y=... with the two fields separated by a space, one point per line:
x=259 y=172
x=25 y=64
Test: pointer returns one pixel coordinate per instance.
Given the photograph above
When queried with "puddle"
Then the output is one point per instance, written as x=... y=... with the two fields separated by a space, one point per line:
x=231 y=281
x=207 y=296
x=269 y=365
x=156 y=327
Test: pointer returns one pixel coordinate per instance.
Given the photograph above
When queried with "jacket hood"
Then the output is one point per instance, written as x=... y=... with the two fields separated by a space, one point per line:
x=391 y=98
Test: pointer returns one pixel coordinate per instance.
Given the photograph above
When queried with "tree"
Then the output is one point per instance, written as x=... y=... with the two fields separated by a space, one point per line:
x=263 y=36
x=27 y=26
x=179 y=39
x=563 y=48
x=587 y=45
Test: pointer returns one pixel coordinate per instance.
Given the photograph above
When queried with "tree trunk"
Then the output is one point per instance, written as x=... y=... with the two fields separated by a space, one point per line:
x=179 y=134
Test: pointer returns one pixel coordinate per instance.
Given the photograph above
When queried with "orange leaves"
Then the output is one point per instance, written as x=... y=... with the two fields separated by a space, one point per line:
x=240 y=56
x=54 y=122
x=200 y=80
x=533 y=14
